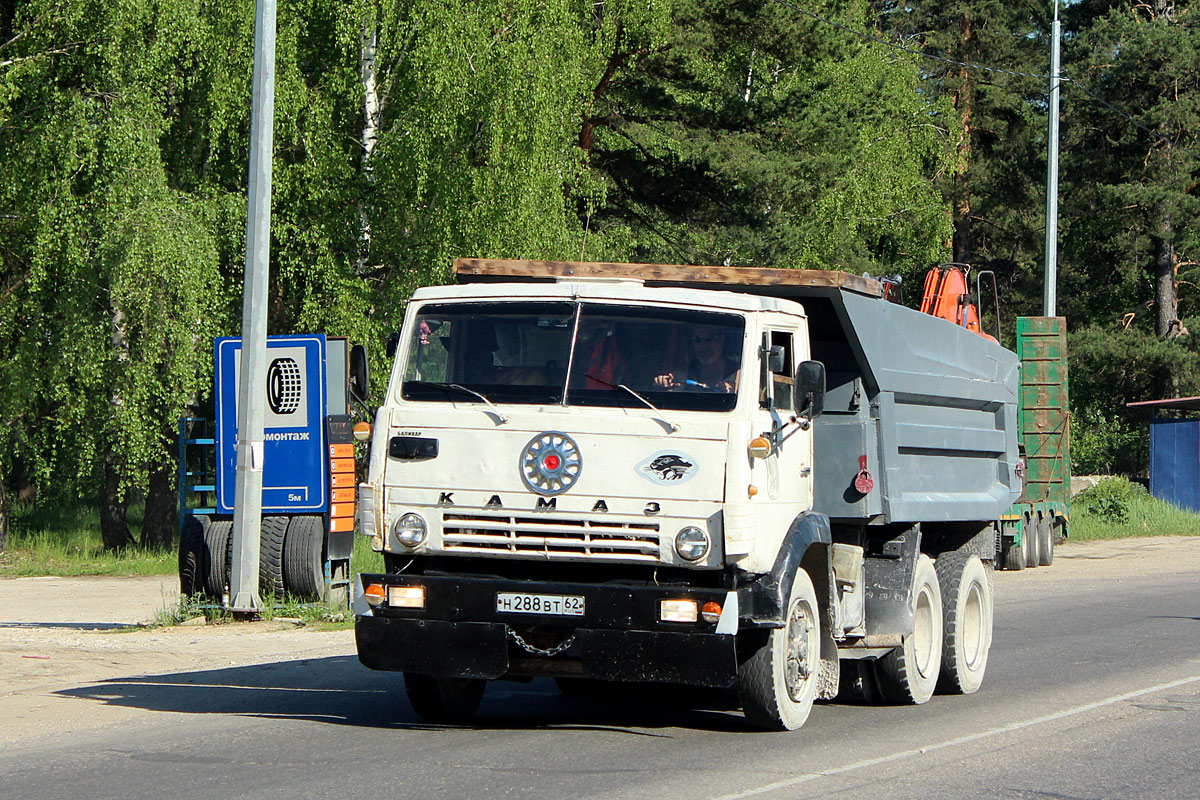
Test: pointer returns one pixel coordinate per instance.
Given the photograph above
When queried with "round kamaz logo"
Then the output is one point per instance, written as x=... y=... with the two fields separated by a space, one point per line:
x=551 y=463
x=284 y=385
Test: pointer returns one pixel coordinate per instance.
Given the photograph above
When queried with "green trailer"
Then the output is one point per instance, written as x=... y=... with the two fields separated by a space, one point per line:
x=1033 y=525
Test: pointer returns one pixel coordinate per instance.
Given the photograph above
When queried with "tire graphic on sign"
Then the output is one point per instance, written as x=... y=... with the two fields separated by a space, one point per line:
x=284 y=385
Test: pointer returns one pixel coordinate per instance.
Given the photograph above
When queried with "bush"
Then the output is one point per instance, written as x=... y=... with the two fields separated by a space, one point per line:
x=1103 y=443
x=1110 y=499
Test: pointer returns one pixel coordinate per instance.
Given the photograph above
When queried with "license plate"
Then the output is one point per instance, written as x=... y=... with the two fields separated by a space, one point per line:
x=564 y=605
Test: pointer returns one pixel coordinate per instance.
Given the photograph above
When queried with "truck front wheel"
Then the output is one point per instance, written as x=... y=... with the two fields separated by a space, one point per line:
x=967 y=629
x=908 y=674
x=441 y=699
x=777 y=682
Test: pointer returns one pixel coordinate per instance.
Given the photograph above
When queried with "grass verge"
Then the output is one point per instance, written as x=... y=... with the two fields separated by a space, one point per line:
x=1120 y=509
x=65 y=540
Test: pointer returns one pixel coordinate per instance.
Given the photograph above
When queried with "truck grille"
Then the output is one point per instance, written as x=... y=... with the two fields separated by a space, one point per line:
x=550 y=537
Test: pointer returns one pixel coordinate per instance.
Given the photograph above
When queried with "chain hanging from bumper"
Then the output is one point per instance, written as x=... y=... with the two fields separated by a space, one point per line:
x=537 y=651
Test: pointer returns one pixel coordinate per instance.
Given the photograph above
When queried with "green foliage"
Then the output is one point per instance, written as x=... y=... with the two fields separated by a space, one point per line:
x=1109 y=368
x=64 y=539
x=1118 y=508
x=1104 y=442
x=1110 y=499
x=754 y=135
x=1129 y=178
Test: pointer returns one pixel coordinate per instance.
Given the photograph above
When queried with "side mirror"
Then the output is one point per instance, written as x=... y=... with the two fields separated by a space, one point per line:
x=393 y=344
x=359 y=383
x=810 y=388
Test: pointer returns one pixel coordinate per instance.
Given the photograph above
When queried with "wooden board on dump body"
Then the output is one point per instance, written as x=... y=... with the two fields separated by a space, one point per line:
x=756 y=280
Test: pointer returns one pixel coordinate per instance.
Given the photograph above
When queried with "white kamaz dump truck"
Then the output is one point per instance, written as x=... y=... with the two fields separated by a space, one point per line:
x=771 y=479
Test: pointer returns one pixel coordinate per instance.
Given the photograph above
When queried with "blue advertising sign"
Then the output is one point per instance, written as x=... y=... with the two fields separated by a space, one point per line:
x=295 y=474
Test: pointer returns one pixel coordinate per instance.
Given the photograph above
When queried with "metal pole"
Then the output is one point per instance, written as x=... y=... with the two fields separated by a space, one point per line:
x=1051 y=291
x=252 y=379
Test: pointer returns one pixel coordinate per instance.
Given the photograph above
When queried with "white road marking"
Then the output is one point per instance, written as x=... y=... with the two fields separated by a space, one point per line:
x=974 y=737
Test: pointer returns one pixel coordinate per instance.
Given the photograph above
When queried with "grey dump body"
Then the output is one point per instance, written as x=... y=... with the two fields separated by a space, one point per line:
x=932 y=406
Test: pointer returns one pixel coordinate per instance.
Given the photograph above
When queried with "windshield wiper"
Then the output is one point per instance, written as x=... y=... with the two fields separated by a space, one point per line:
x=671 y=426
x=460 y=388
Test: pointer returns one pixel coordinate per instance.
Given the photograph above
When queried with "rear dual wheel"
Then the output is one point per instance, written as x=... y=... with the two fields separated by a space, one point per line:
x=967 y=604
x=909 y=674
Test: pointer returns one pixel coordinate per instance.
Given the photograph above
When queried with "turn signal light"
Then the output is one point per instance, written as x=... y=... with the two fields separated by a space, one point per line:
x=711 y=611
x=678 y=611
x=362 y=432
x=760 y=447
x=374 y=594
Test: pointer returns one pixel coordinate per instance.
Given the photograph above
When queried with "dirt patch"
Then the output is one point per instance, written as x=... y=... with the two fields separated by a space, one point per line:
x=63 y=633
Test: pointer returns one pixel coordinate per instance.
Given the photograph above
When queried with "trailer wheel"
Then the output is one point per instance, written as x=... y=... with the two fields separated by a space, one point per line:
x=1045 y=539
x=1012 y=556
x=967 y=621
x=191 y=556
x=777 y=683
x=1029 y=533
x=216 y=558
x=908 y=674
x=439 y=699
x=303 y=561
x=270 y=556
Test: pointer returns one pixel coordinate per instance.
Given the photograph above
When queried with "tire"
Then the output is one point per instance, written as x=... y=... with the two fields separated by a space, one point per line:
x=217 y=541
x=1013 y=556
x=1029 y=533
x=909 y=674
x=437 y=699
x=778 y=681
x=270 y=556
x=303 y=559
x=1046 y=540
x=967 y=607
x=191 y=556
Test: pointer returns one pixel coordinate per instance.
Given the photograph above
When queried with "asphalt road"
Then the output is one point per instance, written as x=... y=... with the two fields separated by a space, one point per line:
x=1093 y=691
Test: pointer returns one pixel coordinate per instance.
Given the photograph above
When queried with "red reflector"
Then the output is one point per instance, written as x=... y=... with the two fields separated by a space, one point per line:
x=551 y=462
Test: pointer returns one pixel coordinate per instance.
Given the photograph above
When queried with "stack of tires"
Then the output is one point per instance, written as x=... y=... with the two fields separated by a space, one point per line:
x=291 y=557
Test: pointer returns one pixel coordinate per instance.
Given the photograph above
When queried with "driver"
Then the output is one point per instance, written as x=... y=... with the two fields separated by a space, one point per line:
x=708 y=369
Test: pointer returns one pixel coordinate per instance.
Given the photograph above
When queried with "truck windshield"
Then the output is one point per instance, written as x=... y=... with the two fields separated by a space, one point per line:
x=523 y=352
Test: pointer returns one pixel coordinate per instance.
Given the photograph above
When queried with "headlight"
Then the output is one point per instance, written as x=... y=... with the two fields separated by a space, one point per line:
x=410 y=530
x=691 y=543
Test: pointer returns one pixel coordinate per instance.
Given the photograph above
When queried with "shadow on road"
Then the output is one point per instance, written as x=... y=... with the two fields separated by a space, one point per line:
x=339 y=691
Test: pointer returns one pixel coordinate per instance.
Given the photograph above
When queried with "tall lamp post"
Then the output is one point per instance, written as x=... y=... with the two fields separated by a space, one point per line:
x=1050 y=298
x=252 y=378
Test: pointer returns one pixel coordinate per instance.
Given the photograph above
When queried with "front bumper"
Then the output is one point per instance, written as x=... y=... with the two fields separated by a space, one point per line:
x=460 y=632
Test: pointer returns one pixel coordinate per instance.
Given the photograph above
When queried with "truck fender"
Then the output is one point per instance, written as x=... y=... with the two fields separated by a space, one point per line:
x=806 y=546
